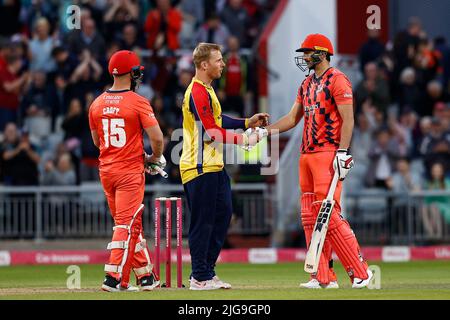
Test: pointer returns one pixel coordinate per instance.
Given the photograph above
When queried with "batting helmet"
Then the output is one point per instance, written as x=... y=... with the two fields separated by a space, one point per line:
x=123 y=62
x=316 y=42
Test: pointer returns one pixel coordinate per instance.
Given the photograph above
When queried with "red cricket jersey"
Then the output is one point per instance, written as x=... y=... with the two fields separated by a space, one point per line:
x=233 y=76
x=119 y=118
x=319 y=98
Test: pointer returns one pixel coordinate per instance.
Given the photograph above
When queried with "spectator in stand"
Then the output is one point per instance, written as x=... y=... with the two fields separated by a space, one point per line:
x=37 y=106
x=422 y=132
x=435 y=147
x=382 y=156
x=236 y=18
x=129 y=39
x=362 y=139
x=95 y=9
x=87 y=38
x=176 y=102
x=41 y=46
x=20 y=159
x=163 y=25
x=31 y=11
x=402 y=130
x=258 y=12
x=361 y=143
x=434 y=94
x=88 y=167
x=61 y=175
x=234 y=83
x=374 y=116
x=427 y=62
x=374 y=87
x=440 y=43
x=402 y=182
x=106 y=78
x=436 y=136
x=409 y=94
x=436 y=208
x=213 y=31
x=86 y=76
x=73 y=122
x=193 y=12
x=66 y=64
x=371 y=50
x=160 y=113
x=39 y=98
x=442 y=111
x=120 y=14
x=12 y=84
x=405 y=45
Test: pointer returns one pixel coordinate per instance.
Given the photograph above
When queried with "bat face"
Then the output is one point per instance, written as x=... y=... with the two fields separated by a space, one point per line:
x=324 y=215
x=318 y=237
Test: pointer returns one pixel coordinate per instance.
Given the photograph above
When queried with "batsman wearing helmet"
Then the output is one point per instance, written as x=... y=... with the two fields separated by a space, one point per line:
x=117 y=119
x=325 y=101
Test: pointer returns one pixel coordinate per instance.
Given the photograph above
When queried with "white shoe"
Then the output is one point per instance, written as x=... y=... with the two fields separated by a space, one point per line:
x=111 y=284
x=220 y=283
x=361 y=283
x=203 y=285
x=120 y=289
x=148 y=283
x=331 y=285
x=315 y=284
x=311 y=284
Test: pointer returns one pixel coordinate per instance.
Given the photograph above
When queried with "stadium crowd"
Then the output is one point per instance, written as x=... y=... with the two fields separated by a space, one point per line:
x=49 y=75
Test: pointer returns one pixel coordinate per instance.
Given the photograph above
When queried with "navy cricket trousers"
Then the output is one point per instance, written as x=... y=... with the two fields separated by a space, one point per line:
x=209 y=200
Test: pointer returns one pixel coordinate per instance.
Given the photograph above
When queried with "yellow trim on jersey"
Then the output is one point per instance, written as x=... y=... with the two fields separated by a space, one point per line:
x=200 y=155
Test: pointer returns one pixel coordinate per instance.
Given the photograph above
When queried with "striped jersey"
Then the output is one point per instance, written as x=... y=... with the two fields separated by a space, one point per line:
x=203 y=132
x=319 y=98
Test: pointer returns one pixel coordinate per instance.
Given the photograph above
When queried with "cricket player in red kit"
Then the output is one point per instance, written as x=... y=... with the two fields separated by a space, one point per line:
x=117 y=119
x=325 y=101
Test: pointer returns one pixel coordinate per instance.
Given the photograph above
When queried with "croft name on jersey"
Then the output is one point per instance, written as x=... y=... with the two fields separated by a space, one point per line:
x=111 y=110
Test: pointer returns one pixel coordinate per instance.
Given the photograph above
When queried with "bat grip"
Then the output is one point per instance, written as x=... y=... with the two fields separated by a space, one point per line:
x=160 y=171
x=333 y=185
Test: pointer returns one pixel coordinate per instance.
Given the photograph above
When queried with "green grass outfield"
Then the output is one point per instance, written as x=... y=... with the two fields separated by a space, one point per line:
x=412 y=280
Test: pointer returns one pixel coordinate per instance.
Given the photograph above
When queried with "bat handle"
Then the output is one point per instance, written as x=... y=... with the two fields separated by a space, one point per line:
x=161 y=171
x=333 y=185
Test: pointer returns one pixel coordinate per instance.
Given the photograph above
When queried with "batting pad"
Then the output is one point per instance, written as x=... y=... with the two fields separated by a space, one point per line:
x=344 y=243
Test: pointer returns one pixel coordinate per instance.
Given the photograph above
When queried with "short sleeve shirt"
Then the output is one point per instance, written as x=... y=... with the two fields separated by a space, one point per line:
x=319 y=98
x=119 y=118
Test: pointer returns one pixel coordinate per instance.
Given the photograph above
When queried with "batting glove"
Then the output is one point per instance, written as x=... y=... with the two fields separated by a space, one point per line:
x=343 y=162
x=151 y=162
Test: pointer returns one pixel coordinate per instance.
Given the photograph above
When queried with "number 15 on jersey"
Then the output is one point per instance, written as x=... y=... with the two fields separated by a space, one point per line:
x=114 y=132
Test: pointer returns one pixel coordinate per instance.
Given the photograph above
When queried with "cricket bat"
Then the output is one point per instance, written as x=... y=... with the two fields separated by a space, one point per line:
x=320 y=229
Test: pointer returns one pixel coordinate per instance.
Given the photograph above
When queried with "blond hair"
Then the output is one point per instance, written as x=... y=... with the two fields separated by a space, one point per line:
x=203 y=51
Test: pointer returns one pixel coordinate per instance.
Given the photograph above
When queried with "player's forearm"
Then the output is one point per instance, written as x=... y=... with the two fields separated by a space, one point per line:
x=156 y=140
x=284 y=124
x=346 y=133
x=157 y=144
